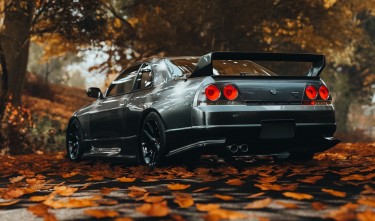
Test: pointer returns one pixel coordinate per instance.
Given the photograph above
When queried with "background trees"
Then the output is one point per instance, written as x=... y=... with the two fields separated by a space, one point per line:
x=129 y=30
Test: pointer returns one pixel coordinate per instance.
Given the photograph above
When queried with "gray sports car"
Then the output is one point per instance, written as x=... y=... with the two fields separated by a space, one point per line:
x=223 y=102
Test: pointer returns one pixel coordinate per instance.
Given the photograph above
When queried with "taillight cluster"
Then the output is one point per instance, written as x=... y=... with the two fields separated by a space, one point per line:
x=312 y=93
x=213 y=93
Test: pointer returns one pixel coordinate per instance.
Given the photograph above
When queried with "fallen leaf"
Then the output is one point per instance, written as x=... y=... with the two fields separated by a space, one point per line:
x=153 y=199
x=334 y=192
x=311 y=180
x=287 y=205
x=95 y=178
x=126 y=179
x=16 y=179
x=107 y=202
x=345 y=212
x=9 y=203
x=38 y=198
x=366 y=215
x=234 y=182
x=41 y=210
x=367 y=201
x=68 y=175
x=259 y=204
x=106 y=191
x=256 y=195
x=85 y=186
x=13 y=193
x=177 y=217
x=154 y=209
x=124 y=219
x=178 y=186
x=318 y=206
x=184 y=200
x=99 y=214
x=70 y=203
x=223 y=197
x=219 y=214
x=201 y=189
x=65 y=190
x=207 y=207
x=298 y=196
x=136 y=192
x=276 y=187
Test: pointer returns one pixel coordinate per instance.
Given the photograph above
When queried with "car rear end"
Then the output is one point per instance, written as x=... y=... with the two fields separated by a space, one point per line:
x=259 y=112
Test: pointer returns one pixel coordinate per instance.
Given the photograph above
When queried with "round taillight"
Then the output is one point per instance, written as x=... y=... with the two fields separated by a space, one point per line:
x=212 y=92
x=324 y=92
x=230 y=92
x=311 y=92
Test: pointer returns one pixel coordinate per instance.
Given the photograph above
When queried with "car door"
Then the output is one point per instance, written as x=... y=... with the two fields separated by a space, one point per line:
x=108 y=114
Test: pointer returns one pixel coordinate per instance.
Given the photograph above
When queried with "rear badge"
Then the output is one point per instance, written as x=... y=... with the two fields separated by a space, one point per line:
x=273 y=91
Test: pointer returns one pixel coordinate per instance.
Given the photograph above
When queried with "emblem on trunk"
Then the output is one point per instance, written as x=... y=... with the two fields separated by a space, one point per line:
x=273 y=91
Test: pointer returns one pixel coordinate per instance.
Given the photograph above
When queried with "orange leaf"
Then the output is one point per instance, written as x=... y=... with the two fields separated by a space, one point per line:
x=367 y=215
x=126 y=179
x=219 y=214
x=345 y=212
x=70 y=203
x=38 y=198
x=16 y=179
x=99 y=214
x=312 y=180
x=154 y=199
x=95 y=178
x=106 y=191
x=287 y=205
x=124 y=219
x=68 y=175
x=298 y=196
x=318 y=206
x=234 y=182
x=38 y=210
x=256 y=195
x=9 y=203
x=178 y=186
x=184 y=200
x=65 y=190
x=224 y=197
x=334 y=192
x=201 y=189
x=13 y=193
x=259 y=204
x=207 y=207
x=367 y=202
x=154 y=209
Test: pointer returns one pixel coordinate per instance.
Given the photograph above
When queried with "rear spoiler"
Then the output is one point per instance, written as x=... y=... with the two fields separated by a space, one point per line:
x=204 y=66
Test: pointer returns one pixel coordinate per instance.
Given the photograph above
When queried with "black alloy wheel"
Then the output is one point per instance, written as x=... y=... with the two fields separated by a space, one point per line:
x=74 y=144
x=152 y=140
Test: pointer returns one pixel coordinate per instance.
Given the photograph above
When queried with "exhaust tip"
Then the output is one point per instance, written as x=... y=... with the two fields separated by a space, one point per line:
x=233 y=148
x=244 y=148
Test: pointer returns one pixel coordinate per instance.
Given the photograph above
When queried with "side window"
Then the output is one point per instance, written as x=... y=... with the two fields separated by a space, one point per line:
x=145 y=77
x=124 y=83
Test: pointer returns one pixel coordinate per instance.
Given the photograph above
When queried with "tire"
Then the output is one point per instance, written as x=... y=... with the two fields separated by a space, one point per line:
x=74 y=141
x=152 y=142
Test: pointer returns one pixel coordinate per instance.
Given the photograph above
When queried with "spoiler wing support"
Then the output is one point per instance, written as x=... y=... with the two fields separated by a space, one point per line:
x=205 y=68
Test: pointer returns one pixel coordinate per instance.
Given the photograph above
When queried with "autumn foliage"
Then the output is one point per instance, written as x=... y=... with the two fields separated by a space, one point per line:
x=337 y=184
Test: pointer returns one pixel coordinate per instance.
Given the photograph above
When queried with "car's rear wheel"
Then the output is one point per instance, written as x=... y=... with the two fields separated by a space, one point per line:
x=74 y=141
x=152 y=140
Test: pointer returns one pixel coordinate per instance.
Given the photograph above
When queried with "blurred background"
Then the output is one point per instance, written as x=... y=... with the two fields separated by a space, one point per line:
x=52 y=50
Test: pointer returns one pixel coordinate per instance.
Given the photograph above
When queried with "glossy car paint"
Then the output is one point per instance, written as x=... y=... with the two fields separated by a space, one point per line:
x=111 y=125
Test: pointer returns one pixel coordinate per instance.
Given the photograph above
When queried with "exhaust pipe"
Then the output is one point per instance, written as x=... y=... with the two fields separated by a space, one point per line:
x=244 y=148
x=233 y=148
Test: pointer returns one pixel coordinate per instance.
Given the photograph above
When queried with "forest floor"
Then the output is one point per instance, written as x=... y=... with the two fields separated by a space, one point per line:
x=337 y=184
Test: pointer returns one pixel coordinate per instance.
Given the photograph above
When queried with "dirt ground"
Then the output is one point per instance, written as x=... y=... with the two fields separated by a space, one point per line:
x=338 y=184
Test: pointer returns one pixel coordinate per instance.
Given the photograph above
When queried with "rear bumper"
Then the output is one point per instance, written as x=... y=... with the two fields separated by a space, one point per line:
x=312 y=127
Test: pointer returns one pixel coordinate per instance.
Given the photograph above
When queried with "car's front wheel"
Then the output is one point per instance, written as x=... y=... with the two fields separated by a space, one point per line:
x=152 y=140
x=74 y=141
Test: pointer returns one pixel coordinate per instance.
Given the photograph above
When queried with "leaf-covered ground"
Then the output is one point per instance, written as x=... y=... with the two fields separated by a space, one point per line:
x=338 y=184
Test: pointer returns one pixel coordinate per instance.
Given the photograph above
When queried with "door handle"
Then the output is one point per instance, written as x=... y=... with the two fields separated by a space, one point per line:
x=122 y=103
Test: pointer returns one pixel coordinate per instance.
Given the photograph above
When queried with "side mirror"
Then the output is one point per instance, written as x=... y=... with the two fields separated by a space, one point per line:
x=94 y=92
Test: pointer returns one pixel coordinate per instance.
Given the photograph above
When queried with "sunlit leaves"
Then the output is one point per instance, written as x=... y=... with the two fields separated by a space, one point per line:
x=154 y=209
x=259 y=204
x=178 y=186
x=298 y=196
x=99 y=214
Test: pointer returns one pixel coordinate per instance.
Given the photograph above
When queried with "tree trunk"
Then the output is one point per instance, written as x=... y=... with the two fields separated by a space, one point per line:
x=15 y=41
x=3 y=85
